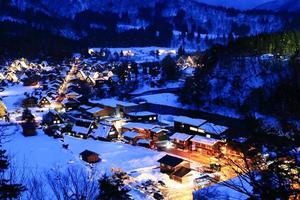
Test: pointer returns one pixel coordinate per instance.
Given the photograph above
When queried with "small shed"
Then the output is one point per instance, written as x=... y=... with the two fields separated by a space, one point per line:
x=89 y=156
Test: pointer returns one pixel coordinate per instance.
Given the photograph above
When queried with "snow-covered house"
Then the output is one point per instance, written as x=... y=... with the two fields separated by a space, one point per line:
x=142 y=128
x=12 y=77
x=181 y=140
x=206 y=146
x=82 y=128
x=96 y=112
x=188 y=125
x=143 y=116
x=213 y=130
x=131 y=136
x=104 y=131
x=52 y=118
x=177 y=168
x=44 y=101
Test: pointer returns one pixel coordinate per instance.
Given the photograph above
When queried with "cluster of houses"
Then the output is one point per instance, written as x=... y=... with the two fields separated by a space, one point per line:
x=69 y=112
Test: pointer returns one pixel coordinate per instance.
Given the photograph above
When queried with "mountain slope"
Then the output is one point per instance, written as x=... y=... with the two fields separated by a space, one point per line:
x=281 y=5
x=237 y=4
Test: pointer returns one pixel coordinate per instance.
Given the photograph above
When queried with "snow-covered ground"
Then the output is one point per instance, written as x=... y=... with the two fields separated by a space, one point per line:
x=167 y=99
x=12 y=96
x=146 y=88
x=41 y=153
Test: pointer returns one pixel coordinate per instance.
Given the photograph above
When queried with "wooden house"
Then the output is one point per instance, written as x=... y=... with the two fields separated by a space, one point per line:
x=169 y=164
x=181 y=140
x=142 y=116
x=105 y=131
x=188 y=125
x=157 y=134
x=70 y=104
x=211 y=130
x=44 y=101
x=206 y=146
x=131 y=136
x=96 y=112
x=182 y=175
x=142 y=128
x=52 y=117
x=3 y=109
x=12 y=77
x=144 y=142
x=89 y=156
x=82 y=128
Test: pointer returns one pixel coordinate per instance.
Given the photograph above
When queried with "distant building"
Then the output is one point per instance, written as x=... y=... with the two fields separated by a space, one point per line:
x=142 y=116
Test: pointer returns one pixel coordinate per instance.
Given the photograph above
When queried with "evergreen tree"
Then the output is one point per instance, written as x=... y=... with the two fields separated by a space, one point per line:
x=169 y=68
x=181 y=51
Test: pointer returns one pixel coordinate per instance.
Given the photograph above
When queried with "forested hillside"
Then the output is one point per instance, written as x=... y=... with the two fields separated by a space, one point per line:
x=244 y=77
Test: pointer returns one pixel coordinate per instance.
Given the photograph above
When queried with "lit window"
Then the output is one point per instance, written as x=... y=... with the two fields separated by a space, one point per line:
x=150 y=118
x=208 y=136
x=200 y=130
x=193 y=129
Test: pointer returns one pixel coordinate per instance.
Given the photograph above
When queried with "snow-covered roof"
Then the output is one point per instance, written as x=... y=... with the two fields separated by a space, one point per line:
x=213 y=129
x=94 y=110
x=143 y=141
x=190 y=121
x=204 y=140
x=158 y=130
x=112 y=102
x=131 y=125
x=141 y=113
x=85 y=107
x=180 y=136
x=80 y=129
x=130 y=134
x=102 y=131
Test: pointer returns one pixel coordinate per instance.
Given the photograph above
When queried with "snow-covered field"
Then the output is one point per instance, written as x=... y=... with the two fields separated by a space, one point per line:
x=43 y=152
x=167 y=99
x=147 y=88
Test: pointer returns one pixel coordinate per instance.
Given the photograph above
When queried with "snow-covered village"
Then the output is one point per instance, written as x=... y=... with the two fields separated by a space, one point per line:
x=118 y=104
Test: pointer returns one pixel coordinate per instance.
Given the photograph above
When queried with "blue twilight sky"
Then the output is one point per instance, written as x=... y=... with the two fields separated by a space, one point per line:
x=239 y=4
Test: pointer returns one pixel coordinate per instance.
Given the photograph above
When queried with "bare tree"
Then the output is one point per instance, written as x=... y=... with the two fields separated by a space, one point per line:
x=74 y=183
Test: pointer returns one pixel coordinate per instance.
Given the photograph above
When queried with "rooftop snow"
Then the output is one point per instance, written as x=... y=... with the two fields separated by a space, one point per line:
x=80 y=129
x=204 y=140
x=141 y=114
x=130 y=134
x=112 y=102
x=190 y=121
x=131 y=125
x=102 y=131
x=180 y=136
x=213 y=129
x=94 y=110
